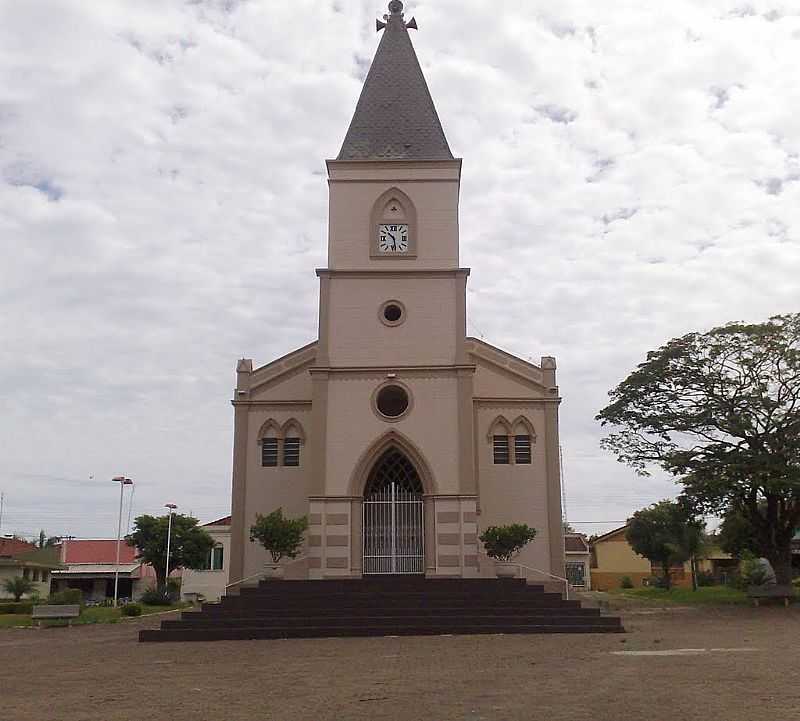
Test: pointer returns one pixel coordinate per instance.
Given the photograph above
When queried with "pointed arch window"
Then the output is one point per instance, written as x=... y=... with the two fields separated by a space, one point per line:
x=281 y=445
x=512 y=443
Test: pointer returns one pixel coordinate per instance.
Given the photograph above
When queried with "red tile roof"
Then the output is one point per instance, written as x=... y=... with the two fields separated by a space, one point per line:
x=101 y=551
x=220 y=522
x=575 y=544
x=13 y=546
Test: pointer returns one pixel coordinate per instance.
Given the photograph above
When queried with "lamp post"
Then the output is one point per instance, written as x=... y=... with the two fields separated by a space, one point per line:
x=170 y=509
x=122 y=483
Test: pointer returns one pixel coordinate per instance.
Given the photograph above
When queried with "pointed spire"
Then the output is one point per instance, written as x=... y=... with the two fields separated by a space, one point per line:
x=395 y=118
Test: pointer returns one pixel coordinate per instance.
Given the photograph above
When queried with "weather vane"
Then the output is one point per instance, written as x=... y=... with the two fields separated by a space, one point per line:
x=395 y=11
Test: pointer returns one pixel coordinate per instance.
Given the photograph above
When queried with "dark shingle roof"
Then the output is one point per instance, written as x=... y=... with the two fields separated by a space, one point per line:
x=395 y=118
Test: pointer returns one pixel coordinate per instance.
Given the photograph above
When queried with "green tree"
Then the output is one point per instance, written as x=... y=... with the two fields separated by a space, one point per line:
x=661 y=533
x=188 y=548
x=736 y=534
x=505 y=542
x=279 y=535
x=18 y=586
x=721 y=411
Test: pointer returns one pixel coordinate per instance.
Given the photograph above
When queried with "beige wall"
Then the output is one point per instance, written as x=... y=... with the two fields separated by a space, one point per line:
x=353 y=426
x=210 y=584
x=429 y=335
x=514 y=493
x=433 y=188
x=7 y=573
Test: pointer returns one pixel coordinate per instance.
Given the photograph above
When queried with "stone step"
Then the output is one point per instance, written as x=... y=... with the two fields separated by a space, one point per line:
x=255 y=633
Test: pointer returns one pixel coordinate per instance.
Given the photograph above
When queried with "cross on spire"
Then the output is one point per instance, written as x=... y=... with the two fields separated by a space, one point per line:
x=396 y=12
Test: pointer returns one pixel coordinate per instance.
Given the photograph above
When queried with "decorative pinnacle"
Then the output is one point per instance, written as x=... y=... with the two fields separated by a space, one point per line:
x=396 y=11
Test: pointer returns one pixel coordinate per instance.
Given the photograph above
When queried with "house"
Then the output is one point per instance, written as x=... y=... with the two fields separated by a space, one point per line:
x=91 y=566
x=612 y=559
x=397 y=434
x=208 y=583
x=577 y=561
x=20 y=558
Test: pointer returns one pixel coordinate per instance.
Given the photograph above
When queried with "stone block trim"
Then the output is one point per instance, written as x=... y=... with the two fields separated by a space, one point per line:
x=449 y=561
x=447 y=517
x=337 y=541
x=337 y=563
x=314 y=541
x=337 y=519
x=449 y=539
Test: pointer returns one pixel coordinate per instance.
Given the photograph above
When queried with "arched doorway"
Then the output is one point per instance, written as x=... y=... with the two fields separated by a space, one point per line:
x=392 y=523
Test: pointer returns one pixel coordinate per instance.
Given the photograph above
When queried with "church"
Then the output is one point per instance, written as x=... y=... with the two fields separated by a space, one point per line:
x=400 y=437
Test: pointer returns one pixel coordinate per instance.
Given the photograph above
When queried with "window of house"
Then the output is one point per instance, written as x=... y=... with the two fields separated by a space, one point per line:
x=216 y=558
x=269 y=452
x=500 y=447
x=522 y=449
x=291 y=452
x=36 y=575
x=26 y=573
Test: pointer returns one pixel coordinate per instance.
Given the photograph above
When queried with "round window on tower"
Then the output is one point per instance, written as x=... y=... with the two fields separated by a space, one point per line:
x=392 y=401
x=392 y=312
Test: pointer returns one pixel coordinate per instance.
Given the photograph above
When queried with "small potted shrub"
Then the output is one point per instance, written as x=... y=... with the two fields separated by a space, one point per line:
x=503 y=543
x=282 y=537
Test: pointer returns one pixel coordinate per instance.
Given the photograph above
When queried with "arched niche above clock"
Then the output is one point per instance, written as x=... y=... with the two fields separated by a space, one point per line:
x=393 y=226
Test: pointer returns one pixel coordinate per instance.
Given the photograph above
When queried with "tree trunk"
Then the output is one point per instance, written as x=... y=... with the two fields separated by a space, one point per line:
x=693 y=568
x=781 y=560
x=667 y=577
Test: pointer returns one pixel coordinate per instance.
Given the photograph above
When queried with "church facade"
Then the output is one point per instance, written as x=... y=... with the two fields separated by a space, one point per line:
x=399 y=436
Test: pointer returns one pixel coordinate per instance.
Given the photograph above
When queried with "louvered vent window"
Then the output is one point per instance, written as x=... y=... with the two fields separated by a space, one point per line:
x=269 y=452
x=291 y=452
x=522 y=449
x=501 y=450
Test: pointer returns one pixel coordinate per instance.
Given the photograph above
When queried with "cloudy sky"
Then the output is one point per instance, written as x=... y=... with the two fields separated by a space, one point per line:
x=630 y=174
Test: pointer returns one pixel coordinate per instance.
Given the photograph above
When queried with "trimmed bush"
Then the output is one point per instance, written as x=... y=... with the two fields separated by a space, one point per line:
x=705 y=578
x=70 y=597
x=625 y=582
x=504 y=542
x=131 y=609
x=23 y=607
x=154 y=597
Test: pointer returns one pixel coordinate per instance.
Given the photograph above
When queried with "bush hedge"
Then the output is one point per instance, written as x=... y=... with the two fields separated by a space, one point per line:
x=131 y=609
x=70 y=597
x=22 y=607
x=154 y=597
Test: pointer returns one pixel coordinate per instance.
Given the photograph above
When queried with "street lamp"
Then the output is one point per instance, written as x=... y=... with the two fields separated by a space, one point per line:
x=122 y=483
x=171 y=509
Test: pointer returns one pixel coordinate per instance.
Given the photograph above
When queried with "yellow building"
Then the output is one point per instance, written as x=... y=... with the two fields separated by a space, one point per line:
x=612 y=559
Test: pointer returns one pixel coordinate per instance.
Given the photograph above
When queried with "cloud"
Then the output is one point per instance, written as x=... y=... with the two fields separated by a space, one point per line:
x=629 y=175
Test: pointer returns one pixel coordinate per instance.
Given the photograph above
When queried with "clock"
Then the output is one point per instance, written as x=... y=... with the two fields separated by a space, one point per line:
x=393 y=238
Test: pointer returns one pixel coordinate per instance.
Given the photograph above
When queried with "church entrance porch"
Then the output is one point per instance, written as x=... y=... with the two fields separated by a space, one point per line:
x=393 y=518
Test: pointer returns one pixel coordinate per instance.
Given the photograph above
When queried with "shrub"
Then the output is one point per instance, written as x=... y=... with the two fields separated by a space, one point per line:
x=705 y=578
x=155 y=597
x=279 y=535
x=796 y=583
x=23 y=607
x=753 y=572
x=131 y=609
x=70 y=597
x=18 y=586
x=657 y=582
x=625 y=582
x=505 y=542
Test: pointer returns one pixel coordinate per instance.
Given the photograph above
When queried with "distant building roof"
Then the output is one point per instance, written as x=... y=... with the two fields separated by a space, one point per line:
x=610 y=534
x=94 y=569
x=395 y=118
x=98 y=551
x=575 y=543
x=220 y=522
x=13 y=546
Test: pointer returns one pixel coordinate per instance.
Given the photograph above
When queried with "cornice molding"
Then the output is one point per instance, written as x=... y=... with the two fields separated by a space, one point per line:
x=375 y=370
x=392 y=272
x=273 y=404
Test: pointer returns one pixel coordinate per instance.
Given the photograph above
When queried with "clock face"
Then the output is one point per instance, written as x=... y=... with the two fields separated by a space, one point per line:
x=392 y=238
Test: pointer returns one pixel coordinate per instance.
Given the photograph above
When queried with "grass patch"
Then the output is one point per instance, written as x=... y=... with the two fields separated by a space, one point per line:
x=93 y=614
x=704 y=596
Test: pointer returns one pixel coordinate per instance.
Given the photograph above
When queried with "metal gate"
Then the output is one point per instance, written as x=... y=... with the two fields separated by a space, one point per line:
x=392 y=522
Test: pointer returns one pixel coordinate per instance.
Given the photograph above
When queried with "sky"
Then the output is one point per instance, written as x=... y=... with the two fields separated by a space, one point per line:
x=631 y=173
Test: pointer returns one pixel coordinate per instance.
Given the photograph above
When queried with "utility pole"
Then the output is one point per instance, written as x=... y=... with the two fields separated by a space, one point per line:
x=2 y=503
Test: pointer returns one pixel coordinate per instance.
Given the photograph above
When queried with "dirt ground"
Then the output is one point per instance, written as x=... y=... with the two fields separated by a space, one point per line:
x=749 y=670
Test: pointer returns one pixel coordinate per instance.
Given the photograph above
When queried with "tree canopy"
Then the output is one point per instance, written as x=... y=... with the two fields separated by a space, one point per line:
x=666 y=534
x=721 y=411
x=189 y=544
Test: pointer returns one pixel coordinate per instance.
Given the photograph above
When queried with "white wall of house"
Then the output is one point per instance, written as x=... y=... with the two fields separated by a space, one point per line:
x=209 y=583
x=41 y=587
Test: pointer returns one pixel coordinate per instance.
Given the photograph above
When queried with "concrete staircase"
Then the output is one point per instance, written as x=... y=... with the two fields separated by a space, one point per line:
x=383 y=606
